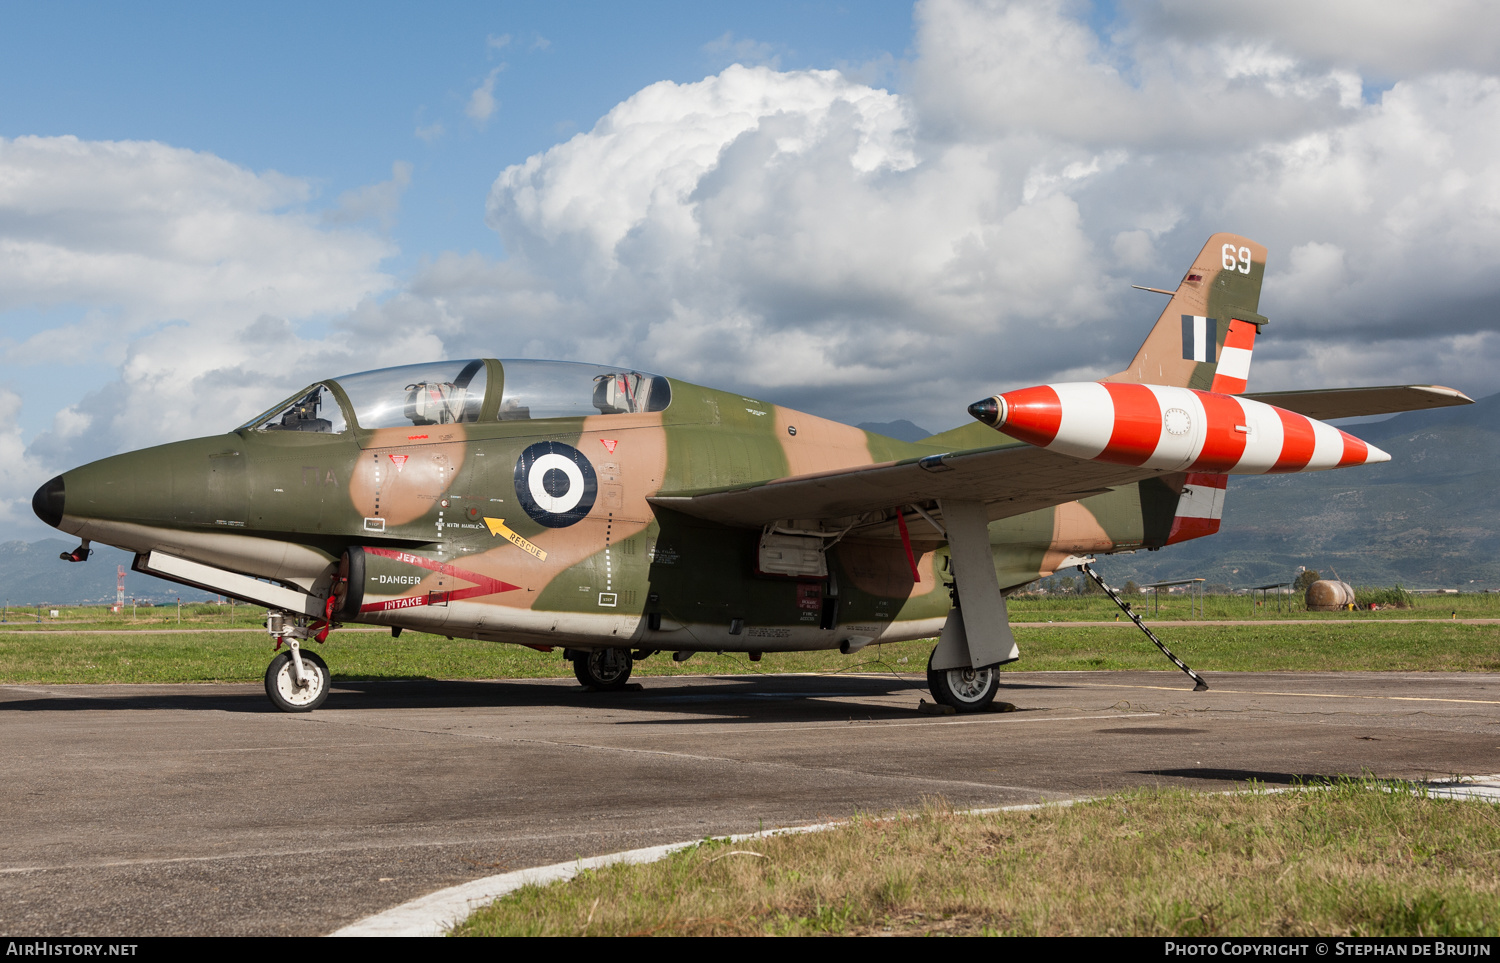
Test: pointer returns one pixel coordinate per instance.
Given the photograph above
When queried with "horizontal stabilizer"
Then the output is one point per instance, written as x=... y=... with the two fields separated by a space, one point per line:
x=1328 y=403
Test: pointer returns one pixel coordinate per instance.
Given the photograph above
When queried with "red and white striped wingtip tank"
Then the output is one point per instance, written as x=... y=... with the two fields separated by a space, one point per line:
x=1174 y=429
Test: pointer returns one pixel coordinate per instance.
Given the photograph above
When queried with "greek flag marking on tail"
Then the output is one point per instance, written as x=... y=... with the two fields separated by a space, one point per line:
x=1200 y=338
x=1233 y=372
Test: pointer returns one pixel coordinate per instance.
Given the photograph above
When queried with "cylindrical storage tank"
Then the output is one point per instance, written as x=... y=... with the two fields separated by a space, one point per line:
x=1326 y=595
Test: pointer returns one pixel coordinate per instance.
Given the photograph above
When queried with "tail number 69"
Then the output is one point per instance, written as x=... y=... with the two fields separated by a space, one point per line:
x=1236 y=260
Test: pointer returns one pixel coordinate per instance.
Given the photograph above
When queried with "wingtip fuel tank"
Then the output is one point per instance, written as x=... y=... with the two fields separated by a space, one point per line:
x=1171 y=429
x=987 y=411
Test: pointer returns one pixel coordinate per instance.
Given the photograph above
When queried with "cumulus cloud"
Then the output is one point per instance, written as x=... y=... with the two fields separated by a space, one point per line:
x=378 y=202
x=871 y=254
x=482 y=103
x=743 y=50
x=165 y=261
x=151 y=231
x=18 y=469
x=1387 y=38
x=1029 y=70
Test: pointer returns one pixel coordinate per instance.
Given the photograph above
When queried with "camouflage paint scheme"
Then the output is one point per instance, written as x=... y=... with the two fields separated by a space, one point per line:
x=444 y=545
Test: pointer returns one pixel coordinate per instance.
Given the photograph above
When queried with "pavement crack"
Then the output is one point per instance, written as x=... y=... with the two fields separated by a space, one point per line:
x=512 y=839
x=725 y=761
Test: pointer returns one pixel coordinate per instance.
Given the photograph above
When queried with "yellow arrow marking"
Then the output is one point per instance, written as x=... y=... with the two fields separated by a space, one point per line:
x=497 y=527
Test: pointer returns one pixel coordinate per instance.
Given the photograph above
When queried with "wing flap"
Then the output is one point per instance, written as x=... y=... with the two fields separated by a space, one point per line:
x=1328 y=403
x=1009 y=480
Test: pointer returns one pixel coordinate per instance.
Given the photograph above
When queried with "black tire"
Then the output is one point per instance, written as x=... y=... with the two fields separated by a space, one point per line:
x=965 y=689
x=604 y=670
x=284 y=693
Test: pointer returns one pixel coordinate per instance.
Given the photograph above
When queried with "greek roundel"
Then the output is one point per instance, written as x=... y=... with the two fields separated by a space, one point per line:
x=555 y=484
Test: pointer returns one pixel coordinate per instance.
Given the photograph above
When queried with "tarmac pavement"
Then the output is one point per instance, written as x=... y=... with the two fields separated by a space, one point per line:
x=197 y=809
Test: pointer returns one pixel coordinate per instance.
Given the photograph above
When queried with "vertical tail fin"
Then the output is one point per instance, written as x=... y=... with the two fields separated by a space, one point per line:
x=1204 y=337
x=1204 y=340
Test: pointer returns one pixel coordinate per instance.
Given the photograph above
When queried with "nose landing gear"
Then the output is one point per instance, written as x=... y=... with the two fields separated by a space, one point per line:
x=296 y=680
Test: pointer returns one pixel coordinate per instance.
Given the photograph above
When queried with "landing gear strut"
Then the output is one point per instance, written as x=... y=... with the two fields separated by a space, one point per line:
x=965 y=689
x=604 y=670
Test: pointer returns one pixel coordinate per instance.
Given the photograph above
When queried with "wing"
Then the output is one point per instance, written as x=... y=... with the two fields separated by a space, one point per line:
x=1010 y=479
x=1329 y=403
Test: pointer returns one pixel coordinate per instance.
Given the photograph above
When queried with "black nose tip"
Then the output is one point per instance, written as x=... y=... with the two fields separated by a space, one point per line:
x=48 y=502
x=986 y=411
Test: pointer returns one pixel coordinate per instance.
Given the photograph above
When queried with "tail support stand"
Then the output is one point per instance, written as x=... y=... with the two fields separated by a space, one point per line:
x=1088 y=570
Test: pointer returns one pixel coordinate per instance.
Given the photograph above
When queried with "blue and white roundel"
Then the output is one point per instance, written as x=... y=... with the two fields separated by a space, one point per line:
x=555 y=484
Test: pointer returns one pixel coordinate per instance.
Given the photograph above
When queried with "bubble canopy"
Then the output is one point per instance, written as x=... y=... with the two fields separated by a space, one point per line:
x=455 y=392
x=564 y=389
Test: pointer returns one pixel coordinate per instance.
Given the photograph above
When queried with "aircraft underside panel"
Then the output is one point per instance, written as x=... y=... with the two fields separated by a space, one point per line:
x=282 y=560
x=187 y=572
x=476 y=620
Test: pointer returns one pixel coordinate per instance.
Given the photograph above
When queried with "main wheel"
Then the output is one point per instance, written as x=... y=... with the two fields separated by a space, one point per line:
x=965 y=689
x=282 y=688
x=604 y=669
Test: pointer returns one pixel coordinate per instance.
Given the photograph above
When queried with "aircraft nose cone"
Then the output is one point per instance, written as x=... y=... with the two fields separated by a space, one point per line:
x=48 y=502
x=987 y=411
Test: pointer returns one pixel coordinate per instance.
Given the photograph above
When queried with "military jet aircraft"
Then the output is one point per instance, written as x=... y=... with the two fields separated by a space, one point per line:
x=618 y=514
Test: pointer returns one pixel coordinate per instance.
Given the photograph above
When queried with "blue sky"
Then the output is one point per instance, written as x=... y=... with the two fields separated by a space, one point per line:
x=336 y=93
x=868 y=211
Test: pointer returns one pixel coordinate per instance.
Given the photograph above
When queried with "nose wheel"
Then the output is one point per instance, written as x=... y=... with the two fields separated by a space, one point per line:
x=297 y=680
x=289 y=693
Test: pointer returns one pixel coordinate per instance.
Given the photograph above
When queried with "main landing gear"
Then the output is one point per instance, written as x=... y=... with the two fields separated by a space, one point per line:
x=965 y=689
x=297 y=680
x=603 y=670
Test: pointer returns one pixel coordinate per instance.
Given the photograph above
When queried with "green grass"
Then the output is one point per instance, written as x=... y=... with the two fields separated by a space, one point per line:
x=1394 y=597
x=1095 y=608
x=1311 y=647
x=60 y=656
x=1347 y=859
x=1023 y=608
x=188 y=615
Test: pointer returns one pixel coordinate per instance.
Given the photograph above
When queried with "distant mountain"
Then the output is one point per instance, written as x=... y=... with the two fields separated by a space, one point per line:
x=1428 y=518
x=31 y=573
x=902 y=430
